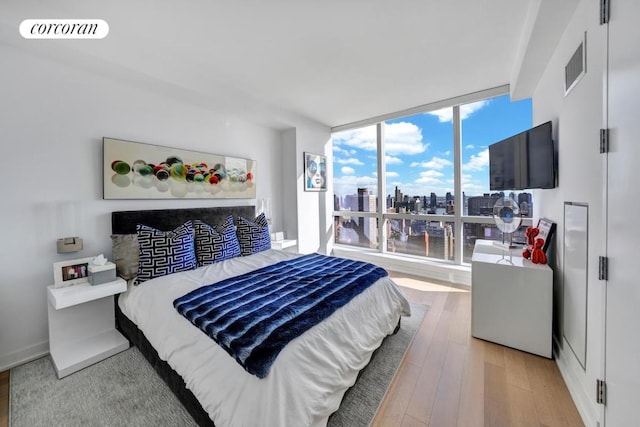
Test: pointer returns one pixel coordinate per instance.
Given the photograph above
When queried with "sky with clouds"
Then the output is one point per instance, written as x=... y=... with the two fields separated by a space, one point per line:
x=419 y=149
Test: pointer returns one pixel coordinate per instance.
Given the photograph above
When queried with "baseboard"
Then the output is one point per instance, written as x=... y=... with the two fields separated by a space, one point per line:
x=456 y=274
x=27 y=354
x=571 y=373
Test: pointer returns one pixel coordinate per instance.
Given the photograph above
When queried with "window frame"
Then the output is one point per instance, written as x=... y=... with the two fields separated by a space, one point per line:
x=458 y=218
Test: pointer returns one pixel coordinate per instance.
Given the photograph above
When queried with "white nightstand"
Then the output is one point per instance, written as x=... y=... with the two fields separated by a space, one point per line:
x=82 y=325
x=283 y=244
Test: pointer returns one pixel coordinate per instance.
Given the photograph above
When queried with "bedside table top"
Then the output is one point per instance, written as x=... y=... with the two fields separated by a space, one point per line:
x=282 y=244
x=78 y=294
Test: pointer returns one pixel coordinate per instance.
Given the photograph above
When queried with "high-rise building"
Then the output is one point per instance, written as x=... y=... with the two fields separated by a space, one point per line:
x=398 y=194
x=482 y=205
x=417 y=205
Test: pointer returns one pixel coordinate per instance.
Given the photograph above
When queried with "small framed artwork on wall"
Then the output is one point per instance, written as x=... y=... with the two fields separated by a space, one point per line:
x=72 y=272
x=315 y=172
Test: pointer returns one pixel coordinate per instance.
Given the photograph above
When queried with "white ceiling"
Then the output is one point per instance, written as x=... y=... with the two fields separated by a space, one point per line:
x=332 y=61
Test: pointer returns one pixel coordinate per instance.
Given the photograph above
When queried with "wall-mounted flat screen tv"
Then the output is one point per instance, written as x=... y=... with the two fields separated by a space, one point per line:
x=523 y=161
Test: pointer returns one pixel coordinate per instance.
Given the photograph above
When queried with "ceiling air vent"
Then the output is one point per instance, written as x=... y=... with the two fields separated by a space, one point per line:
x=576 y=67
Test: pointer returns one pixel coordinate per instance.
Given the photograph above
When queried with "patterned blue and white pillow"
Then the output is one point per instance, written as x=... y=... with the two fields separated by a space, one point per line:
x=253 y=235
x=163 y=253
x=215 y=244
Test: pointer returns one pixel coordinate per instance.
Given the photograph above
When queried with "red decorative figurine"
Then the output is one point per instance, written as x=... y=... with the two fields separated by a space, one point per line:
x=534 y=247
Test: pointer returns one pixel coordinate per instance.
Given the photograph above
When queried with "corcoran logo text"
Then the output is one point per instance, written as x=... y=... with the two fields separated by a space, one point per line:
x=64 y=29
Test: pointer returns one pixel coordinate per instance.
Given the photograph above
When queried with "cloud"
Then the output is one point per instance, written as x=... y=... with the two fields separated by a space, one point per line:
x=429 y=180
x=431 y=173
x=434 y=163
x=474 y=185
x=466 y=110
x=403 y=138
x=346 y=170
x=349 y=161
x=349 y=184
x=472 y=190
x=391 y=174
x=469 y=147
x=390 y=160
x=361 y=138
x=430 y=177
x=400 y=138
x=477 y=162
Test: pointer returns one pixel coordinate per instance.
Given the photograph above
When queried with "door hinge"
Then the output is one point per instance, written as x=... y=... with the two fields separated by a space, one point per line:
x=604 y=12
x=604 y=141
x=601 y=392
x=603 y=268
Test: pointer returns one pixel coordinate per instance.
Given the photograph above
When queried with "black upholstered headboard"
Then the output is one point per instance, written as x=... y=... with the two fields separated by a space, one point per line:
x=124 y=222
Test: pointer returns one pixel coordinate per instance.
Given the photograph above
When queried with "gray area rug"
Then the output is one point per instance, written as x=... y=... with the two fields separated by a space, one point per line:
x=124 y=390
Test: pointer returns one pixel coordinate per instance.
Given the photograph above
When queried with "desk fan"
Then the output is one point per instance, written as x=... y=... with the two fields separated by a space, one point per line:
x=506 y=213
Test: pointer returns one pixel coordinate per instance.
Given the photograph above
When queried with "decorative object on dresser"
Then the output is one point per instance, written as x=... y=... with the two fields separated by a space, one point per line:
x=134 y=170
x=506 y=213
x=546 y=229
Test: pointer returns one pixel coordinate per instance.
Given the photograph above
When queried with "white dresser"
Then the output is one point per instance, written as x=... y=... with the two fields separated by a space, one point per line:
x=511 y=299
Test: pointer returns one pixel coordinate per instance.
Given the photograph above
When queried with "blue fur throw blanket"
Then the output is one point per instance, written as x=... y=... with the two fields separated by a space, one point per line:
x=255 y=315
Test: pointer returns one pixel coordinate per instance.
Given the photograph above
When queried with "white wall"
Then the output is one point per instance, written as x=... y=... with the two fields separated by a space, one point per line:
x=314 y=221
x=53 y=118
x=577 y=119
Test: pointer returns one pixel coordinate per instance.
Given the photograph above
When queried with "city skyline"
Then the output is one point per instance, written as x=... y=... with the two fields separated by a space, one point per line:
x=477 y=205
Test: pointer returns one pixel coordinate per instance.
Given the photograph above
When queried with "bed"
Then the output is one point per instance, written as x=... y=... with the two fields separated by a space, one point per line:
x=308 y=378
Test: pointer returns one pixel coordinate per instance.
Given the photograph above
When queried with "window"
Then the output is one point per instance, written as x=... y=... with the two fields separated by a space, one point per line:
x=424 y=182
x=418 y=153
x=355 y=182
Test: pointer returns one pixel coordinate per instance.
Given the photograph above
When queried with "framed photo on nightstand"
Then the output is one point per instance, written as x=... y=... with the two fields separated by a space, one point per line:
x=71 y=272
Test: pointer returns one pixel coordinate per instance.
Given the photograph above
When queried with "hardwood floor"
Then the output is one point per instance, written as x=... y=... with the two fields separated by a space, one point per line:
x=449 y=378
x=4 y=399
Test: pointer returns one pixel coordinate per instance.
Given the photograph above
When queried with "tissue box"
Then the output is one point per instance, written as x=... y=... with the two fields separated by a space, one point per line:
x=278 y=235
x=99 y=274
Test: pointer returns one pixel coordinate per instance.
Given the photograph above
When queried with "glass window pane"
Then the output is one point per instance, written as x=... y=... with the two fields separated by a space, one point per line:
x=487 y=231
x=420 y=237
x=356 y=231
x=355 y=169
x=484 y=123
x=419 y=163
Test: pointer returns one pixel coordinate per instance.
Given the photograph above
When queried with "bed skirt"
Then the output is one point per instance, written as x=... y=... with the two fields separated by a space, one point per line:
x=170 y=377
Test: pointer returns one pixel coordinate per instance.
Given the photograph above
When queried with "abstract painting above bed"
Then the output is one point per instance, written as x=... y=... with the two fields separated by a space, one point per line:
x=134 y=170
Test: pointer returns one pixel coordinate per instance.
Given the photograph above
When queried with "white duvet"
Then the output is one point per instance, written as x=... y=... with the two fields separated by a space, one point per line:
x=310 y=375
